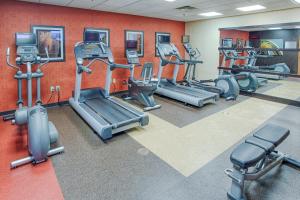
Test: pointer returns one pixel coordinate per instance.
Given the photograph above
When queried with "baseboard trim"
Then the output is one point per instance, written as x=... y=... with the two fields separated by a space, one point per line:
x=51 y=105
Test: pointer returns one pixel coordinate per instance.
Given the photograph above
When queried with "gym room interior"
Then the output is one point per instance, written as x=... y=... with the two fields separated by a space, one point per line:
x=149 y=100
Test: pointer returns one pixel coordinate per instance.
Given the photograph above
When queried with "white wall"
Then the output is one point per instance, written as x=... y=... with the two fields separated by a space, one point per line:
x=205 y=34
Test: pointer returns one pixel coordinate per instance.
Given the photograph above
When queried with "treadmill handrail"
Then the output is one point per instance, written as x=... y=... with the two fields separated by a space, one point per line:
x=96 y=59
x=175 y=62
x=122 y=66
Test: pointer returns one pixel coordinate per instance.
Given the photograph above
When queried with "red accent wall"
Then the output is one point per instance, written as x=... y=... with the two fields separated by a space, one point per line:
x=19 y=16
x=234 y=34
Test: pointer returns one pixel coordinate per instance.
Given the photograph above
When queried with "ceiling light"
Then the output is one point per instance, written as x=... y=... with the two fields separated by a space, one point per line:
x=296 y=1
x=210 y=14
x=251 y=8
x=170 y=0
x=275 y=28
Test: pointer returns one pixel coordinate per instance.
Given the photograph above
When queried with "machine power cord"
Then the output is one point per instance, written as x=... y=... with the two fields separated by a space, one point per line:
x=50 y=97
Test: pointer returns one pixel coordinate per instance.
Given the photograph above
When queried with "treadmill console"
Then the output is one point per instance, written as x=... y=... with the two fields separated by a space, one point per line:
x=92 y=48
x=168 y=49
x=132 y=57
x=188 y=47
x=26 y=48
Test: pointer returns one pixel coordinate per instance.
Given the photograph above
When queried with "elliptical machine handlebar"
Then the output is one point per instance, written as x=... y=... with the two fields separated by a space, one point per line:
x=18 y=68
x=8 y=60
x=195 y=53
x=47 y=61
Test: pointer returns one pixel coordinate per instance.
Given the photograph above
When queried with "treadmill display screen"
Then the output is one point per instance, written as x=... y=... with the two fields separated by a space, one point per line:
x=131 y=44
x=91 y=37
x=25 y=39
x=164 y=39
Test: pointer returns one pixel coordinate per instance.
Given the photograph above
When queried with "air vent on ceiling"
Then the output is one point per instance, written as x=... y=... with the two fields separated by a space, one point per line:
x=186 y=8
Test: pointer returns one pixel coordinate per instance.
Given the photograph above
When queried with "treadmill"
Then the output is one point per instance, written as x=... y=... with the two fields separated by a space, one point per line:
x=169 y=88
x=106 y=115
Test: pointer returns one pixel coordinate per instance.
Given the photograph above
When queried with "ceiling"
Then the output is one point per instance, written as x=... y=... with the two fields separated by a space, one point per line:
x=167 y=10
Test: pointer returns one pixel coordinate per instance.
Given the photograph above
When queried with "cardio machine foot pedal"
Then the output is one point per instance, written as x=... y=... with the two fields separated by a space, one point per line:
x=151 y=108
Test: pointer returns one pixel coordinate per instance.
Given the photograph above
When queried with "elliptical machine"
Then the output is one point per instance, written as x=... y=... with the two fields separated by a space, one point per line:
x=141 y=90
x=262 y=81
x=41 y=132
x=225 y=85
x=281 y=68
x=247 y=81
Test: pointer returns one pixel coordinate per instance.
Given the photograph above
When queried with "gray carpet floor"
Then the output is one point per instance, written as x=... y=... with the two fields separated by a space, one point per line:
x=123 y=169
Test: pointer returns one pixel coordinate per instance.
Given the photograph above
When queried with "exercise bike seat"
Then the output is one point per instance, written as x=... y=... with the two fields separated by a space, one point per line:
x=247 y=155
x=272 y=133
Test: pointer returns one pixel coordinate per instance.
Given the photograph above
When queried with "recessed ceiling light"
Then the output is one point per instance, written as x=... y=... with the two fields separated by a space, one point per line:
x=251 y=8
x=275 y=28
x=210 y=14
x=170 y=0
x=296 y=1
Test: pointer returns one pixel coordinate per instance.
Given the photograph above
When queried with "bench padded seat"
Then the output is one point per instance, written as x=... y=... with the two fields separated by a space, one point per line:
x=247 y=155
x=272 y=133
x=267 y=146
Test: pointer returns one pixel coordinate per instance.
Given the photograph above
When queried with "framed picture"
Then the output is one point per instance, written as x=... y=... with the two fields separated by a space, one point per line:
x=240 y=43
x=227 y=43
x=104 y=34
x=161 y=37
x=136 y=40
x=52 y=38
x=290 y=44
x=185 y=39
x=272 y=44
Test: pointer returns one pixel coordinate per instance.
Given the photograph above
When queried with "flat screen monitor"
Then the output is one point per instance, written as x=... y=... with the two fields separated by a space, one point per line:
x=91 y=36
x=131 y=44
x=164 y=39
x=25 y=39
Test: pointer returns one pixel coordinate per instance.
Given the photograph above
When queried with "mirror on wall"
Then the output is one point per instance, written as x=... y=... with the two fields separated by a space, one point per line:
x=271 y=52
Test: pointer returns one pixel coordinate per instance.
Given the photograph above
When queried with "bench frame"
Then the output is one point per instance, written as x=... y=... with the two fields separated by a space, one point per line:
x=240 y=175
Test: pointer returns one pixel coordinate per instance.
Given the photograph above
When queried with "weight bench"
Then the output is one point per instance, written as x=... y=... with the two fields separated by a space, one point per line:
x=257 y=156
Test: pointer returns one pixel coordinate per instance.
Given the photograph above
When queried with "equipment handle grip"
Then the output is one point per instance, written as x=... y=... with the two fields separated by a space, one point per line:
x=86 y=69
x=8 y=62
x=48 y=59
x=124 y=66
x=47 y=53
x=8 y=52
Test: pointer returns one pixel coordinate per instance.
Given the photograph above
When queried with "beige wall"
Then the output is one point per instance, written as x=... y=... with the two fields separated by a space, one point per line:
x=205 y=34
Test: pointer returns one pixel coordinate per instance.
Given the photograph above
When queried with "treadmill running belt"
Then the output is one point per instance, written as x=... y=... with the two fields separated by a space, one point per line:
x=188 y=91
x=109 y=111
